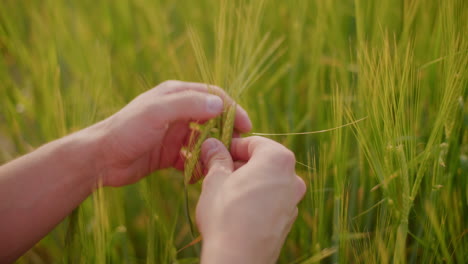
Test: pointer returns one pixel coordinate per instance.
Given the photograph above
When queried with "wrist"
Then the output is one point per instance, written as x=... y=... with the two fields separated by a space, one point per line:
x=231 y=250
x=215 y=251
x=79 y=152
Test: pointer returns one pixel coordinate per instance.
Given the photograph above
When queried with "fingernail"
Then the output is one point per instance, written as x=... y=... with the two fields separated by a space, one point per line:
x=214 y=104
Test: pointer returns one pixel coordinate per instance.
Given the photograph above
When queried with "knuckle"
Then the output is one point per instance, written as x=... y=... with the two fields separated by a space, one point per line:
x=187 y=98
x=257 y=138
x=284 y=157
x=290 y=157
x=167 y=85
x=256 y=141
x=192 y=95
x=302 y=188
x=263 y=142
x=216 y=89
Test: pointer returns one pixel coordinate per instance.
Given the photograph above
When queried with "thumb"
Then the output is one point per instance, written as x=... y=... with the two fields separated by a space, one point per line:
x=191 y=105
x=217 y=161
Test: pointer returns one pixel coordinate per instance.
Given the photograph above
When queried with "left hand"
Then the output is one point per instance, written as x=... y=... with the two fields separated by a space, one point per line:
x=150 y=131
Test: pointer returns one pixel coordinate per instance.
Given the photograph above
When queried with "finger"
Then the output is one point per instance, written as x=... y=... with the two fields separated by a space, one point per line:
x=188 y=105
x=246 y=148
x=217 y=161
x=264 y=151
x=242 y=121
x=301 y=188
x=173 y=141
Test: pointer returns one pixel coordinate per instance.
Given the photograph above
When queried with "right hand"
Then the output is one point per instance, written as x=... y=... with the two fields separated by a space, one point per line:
x=248 y=200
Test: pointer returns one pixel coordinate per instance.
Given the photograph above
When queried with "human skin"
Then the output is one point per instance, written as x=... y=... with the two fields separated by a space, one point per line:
x=248 y=201
x=38 y=190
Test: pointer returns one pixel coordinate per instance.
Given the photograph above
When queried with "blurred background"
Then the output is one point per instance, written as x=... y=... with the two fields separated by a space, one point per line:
x=390 y=188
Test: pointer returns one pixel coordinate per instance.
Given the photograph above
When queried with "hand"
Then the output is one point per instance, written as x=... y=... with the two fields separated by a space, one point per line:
x=144 y=136
x=248 y=201
x=149 y=132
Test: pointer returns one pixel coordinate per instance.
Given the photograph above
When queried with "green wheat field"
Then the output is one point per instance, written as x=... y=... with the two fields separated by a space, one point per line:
x=387 y=81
